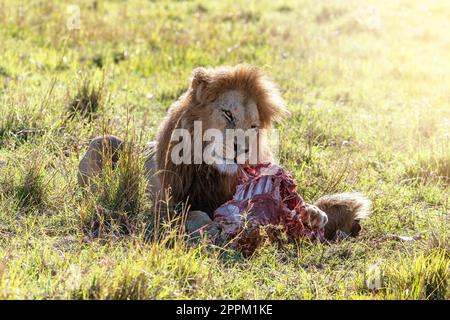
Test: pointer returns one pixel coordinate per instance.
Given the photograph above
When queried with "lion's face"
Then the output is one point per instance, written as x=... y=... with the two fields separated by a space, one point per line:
x=232 y=105
x=236 y=116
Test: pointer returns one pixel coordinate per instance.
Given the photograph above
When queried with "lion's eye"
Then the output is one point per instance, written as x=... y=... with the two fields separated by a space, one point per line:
x=228 y=115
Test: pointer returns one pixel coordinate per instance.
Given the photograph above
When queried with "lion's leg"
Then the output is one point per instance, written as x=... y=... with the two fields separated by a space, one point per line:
x=199 y=222
x=102 y=151
x=154 y=185
x=344 y=211
x=97 y=156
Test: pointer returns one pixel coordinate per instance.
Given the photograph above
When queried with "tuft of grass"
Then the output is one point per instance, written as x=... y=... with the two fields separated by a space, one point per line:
x=97 y=61
x=119 y=202
x=26 y=183
x=31 y=190
x=419 y=277
x=431 y=167
x=4 y=72
x=16 y=125
x=88 y=99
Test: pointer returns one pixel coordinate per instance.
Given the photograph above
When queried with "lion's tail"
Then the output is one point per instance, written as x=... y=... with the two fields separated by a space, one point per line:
x=344 y=211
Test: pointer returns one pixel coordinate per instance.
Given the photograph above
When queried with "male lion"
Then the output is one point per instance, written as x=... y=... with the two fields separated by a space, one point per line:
x=239 y=97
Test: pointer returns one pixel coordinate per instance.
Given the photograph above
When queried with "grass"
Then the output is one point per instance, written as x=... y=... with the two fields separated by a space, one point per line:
x=87 y=101
x=367 y=83
x=119 y=204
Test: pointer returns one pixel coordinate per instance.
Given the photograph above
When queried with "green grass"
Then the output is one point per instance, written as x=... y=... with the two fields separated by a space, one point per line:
x=366 y=81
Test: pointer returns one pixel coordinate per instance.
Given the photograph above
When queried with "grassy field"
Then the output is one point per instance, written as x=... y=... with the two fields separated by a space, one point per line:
x=369 y=89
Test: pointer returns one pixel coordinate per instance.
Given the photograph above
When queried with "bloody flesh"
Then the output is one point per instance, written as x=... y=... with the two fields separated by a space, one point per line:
x=265 y=197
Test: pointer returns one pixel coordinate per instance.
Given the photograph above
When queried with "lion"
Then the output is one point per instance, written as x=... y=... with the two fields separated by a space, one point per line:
x=237 y=97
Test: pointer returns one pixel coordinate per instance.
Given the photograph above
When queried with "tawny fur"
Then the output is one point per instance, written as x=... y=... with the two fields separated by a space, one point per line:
x=94 y=160
x=344 y=211
x=202 y=185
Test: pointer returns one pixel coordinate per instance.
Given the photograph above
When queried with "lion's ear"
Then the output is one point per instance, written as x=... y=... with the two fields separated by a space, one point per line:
x=200 y=79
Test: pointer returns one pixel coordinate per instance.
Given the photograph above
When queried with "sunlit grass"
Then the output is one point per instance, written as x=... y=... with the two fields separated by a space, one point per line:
x=366 y=81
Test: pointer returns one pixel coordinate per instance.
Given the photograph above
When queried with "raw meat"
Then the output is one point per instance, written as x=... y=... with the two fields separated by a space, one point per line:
x=265 y=198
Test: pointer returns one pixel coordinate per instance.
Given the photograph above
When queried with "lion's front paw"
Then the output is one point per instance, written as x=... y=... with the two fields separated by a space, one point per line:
x=199 y=223
x=314 y=217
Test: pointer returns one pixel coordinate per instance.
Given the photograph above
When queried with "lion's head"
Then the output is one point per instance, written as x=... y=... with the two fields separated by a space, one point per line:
x=238 y=98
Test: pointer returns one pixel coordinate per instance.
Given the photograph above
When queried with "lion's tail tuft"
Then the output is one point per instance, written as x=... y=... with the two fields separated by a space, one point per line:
x=344 y=211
